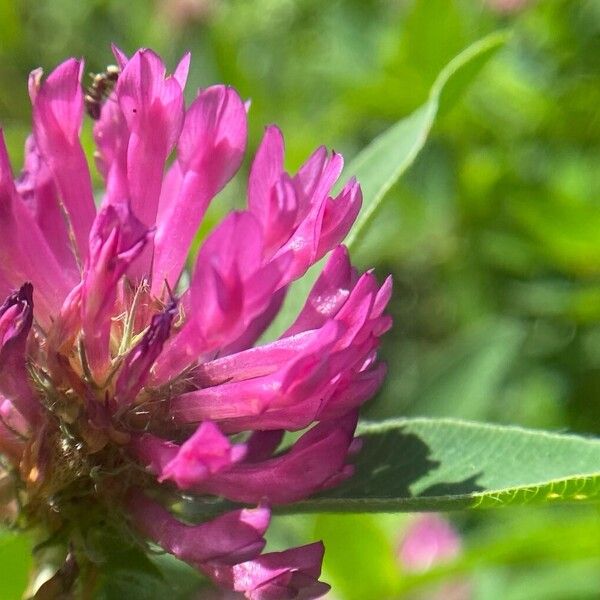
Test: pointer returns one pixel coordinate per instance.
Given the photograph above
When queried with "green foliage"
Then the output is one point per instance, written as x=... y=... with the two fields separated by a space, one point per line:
x=441 y=464
x=358 y=544
x=126 y=571
x=15 y=558
x=491 y=237
x=379 y=166
x=518 y=558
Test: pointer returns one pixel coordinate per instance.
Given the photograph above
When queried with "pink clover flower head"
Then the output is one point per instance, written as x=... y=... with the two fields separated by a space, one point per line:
x=117 y=389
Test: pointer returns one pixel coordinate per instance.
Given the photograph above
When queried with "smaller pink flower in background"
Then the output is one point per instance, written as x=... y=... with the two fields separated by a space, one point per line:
x=507 y=6
x=428 y=541
x=181 y=13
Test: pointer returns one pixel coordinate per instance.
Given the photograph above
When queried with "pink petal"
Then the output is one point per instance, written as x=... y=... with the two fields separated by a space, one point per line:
x=257 y=326
x=329 y=293
x=301 y=378
x=316 y=177
x=36 y=187
x=153 y=108
x=262 y=444
x=57 y=117
x=308 y=177
x=120 y=56
x=16 y=318
x=183 y=68
x=67 y=324
x=314 y=463
x=170 y=189
x=309 y=387
x=352 y=394
x=357 y=310
x=210 y=151
x=24 y=251
x=5 y=286
x=255 y=362
x=312 y=184
x=111 y=135
x=292 y=574
x=340 y=214
x=271 y=193
x=303 y=243
x=204 y=454
x=383 y=296
x=267 y=168
x=13 y=419
x=230 y=538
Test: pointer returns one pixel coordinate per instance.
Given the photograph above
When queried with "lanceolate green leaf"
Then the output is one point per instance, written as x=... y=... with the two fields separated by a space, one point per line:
x=443 y=464
x=388 y=156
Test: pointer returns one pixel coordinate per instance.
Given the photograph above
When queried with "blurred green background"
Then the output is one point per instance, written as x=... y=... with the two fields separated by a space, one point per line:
x=493 y=237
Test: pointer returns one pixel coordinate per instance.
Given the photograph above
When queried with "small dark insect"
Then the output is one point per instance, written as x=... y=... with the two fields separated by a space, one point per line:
x=100 y=88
